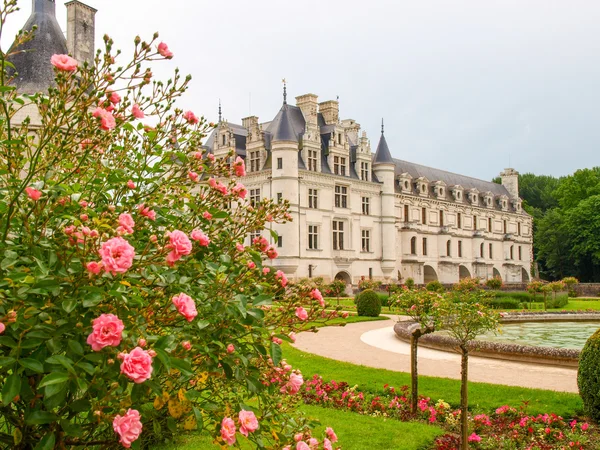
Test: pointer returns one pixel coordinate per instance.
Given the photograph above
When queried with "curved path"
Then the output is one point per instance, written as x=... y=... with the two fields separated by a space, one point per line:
x=374 y=344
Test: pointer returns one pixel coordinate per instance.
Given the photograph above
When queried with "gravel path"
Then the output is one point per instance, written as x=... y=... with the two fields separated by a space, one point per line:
x=374 y=344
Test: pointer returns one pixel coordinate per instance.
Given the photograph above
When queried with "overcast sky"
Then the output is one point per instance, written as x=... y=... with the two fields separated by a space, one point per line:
x=465 y=86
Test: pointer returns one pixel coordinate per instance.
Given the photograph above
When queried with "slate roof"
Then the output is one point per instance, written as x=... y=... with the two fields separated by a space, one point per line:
x=32 y=62
x=287 y=125
x=382 y=155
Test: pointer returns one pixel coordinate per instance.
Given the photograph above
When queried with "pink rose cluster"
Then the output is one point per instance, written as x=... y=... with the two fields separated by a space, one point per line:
x=279 y=275
x=240 y=191
x=239 y=167
x=179 y=244
x=247 y=421
x=294 y=383
x=315 y=294
x=107 y=120
x=217 y=186
x=200 y=237
x=146 y=212
x=126 y=224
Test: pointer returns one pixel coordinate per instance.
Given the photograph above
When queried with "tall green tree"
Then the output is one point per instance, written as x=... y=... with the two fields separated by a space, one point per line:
x=583 y=184
x=583 y=225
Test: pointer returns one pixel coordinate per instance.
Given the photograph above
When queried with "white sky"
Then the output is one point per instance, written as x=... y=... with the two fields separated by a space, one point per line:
x=463 y=85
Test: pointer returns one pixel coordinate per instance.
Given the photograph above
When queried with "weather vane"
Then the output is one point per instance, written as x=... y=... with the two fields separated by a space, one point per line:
x=284 y=91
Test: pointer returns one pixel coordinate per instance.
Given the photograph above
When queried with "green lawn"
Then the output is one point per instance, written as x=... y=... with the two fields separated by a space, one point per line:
x=356 y=432
x=340 y=321
x=482 y=396
x=582 y=305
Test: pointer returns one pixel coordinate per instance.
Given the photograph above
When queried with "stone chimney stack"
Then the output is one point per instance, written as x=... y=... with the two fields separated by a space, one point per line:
x=510 y=180
x=331 y=111
x=81 y=31
x=308 y=103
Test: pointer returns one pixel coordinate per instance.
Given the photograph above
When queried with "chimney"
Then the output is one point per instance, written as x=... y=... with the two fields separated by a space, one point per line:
x=510 y=180
x=44 y=7
x=308 y=104
x=250 y=122
x=80 y=31
x=330 y=111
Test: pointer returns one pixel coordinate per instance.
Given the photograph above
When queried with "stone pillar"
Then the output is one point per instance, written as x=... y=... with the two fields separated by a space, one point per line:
x=81 y=24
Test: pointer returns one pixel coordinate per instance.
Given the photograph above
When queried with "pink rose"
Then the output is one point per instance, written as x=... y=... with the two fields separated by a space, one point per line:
x=83 y=217
x=126 y=224
x=315 y=294
x=302 y=446
x=172 y=258
x=207 y=215
x=33 y=194
x=585 y=426
x=345 y=314
x=69 y=229
x=211 y=157
x=131 y=184
x=266 y=270
x=228 y=430
x=212 y=182
x=200 y=237
x=164 y=51
x=230 y=348
x=282 y=278
x=137 y=112
x=301 y=313
x=276 y=340
x=190 y=117
x=292 y=336
x=180 y=243
x=474 y=438
x=2 y=328
x=331 y=434
x=251 y=265
x=239 y=167
x=240 y=190
x=128 y=427
x=294 y=383
x=64 y=63
x=261 y=243
x=327 y=444
x=107 y=331
x=107 y=120
x=271 y=252
x=113 y=97
x=147 y=212
x=142 y=342
x=198 y=155
x=313 y=443
x=117 y=255
x=93 y=267
x=186 y=344
x=137 y=365
x=298 y=436
x=248 y=422
x=239 y=247
x=185 y=305
x=193 y=176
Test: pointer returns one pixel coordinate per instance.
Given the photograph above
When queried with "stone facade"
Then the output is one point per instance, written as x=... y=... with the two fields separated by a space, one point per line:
x=358 y=214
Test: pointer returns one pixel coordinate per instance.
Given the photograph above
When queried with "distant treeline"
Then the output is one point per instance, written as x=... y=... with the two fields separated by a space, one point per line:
x=566 y=213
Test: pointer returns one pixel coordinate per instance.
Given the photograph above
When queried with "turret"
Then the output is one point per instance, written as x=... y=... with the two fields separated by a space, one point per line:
x=510 y=180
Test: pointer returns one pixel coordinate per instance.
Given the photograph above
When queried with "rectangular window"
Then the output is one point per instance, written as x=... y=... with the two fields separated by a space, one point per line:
x=459 y=220
x=313 y=237
x=279 y=197
x=279 y=241
x=343 y=166
x=441 y=218
x=280 y=163
x=312 y=199
x=406 y=215
x=254 y=161
x=336 y=165
x=424 y=216
x=338 y=235
x=312 y=160
x=481 y=250
x=505 y=226
x=519 y=228
x=490 y=224
x=366 y=240
x=364 y=171
x=341 y=197
x=254 y=197
x=475 y=224
x=365 y=206
x=491 y=250
x=460 y=249
x=370 y=273
x=520 y=253
x=512 y=254
x=254 y=235
x=424 y=246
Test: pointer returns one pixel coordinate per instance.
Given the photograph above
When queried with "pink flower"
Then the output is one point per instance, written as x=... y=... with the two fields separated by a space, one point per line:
x=301 y=313
x=266 y=270
x=126 y=223
x=302 y=446
x=239 y=247
x=164 y=51
x=269 y=217
x=33 y=194
x=230 y=348
x=113 y=97
x=240 y=190
x=313 y=443
x=294 y=383
x=185 y=305
x=248 y=422
x=345 y=314
x=137 y=112
x=261 y=243
x=474 y=438
x=180 y=243
x=93 y=267
x=199 y=236
x=327 y=444
x=276 y=340
x=198 y=155
x=207 y=215
x=147 y=212
x=282 y=278
x=186 y=345
x=331 y=434
x=585 y=426
x=64 y=63
x=173 y=257
x=117 y=255
x=69 y=229
x=2 y=328
x=190 y=117
x=239 y=168
x=211 y=157
x=142 y=342
x=193 y=176
x=128 y=427
x=315 y=294
x=251 y=265
x=107 y=331
x=228 y=430
x=137 y=365
x=131 y=184
x=292 y=336
x=271 y=252
x=83 y=217
x=107 y=120
x=298 y=437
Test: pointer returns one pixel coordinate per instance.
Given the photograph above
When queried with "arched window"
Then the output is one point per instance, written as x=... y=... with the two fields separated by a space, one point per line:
x=413 y=246
x=449 y=248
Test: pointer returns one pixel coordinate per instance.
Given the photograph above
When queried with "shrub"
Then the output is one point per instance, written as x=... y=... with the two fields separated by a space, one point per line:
x=384 y=298
x=588 y=376
x=557 y=302
x=504 y=303
x=368 y=304
x=364 y=284
x=523 y=297
x=435 y=286
x=410 y=283
x=467 y=284
x=494 y=283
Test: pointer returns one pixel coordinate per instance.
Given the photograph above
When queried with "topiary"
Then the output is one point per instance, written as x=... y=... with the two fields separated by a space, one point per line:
x=435 y=286
x=588 y=376
x=368 y=304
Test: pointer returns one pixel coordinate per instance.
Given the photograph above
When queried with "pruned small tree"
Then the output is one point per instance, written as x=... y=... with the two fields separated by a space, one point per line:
x=465 y=317
x=336 y=289
x=423 y=307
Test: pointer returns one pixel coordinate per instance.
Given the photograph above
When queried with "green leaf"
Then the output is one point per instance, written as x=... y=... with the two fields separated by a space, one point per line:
x=75 y=347
x=163 y=357
x=67 y=363
x=47 y=442
x=258 y=314
x=7 y=262
x=32 y=364
x=6 y=361
x=87 y=367
x=54 y=378
x=202 y=324
x=164 y=342
x=69 y=304
x=40 y=417
x=275 y=353
x=11 y=388
x=263 y=299
x=182 y=365
x=92 y=299
x=31 y=343
x=199 y=420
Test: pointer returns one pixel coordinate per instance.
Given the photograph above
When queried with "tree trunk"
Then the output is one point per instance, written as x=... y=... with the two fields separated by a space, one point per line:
x=464 y=398
x=414 y=375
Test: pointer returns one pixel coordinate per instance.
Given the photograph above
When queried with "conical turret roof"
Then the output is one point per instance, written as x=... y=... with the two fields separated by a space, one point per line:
x=282 y=128
x=383 y=155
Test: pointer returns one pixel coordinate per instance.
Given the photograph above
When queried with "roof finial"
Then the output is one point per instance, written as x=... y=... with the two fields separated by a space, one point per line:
x=382 y=125
x=284 y=91
x=220 y=115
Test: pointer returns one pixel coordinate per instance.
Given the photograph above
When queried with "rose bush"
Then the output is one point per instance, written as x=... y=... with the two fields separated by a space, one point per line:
x=132 y=304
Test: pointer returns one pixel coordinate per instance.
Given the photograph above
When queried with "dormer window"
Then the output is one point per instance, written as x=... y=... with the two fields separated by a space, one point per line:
x=339 y=165
x=312 y=160
x=406 y=184
x=473 y=197
x=224 y=139
x=364 y=171
x=404 y=180
x=254 y=159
